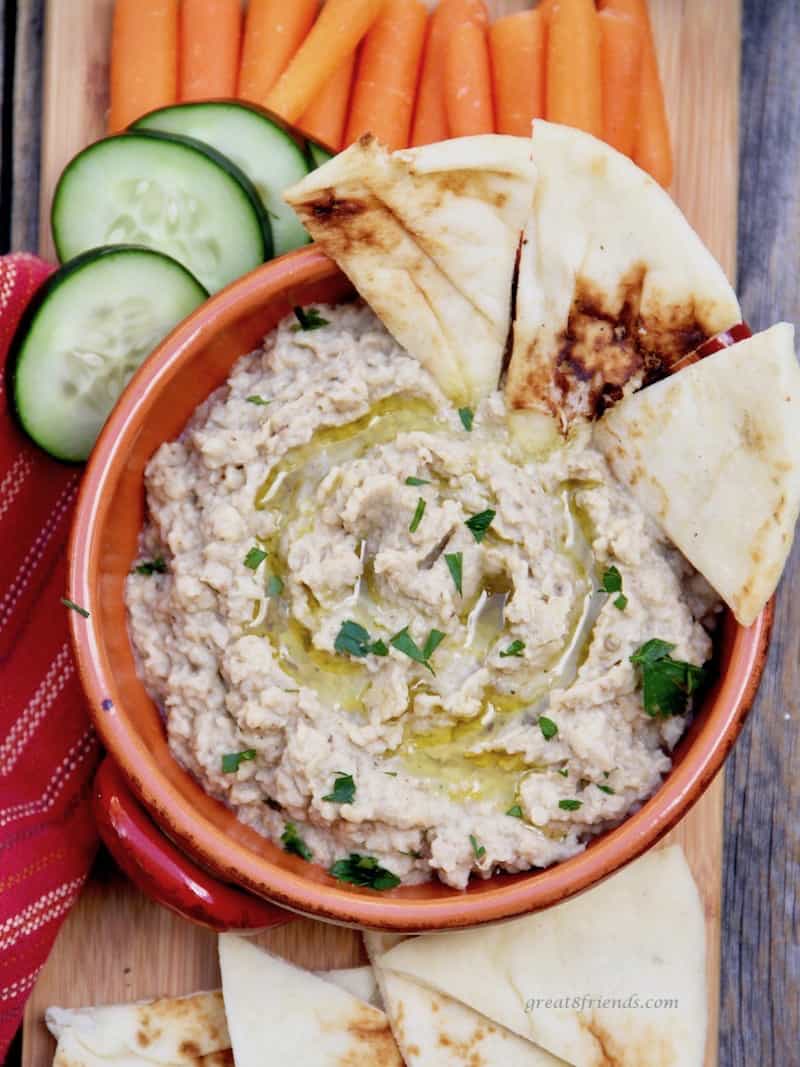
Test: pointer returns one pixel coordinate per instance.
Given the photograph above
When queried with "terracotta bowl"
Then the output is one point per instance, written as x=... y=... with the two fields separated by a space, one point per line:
x=187 y=366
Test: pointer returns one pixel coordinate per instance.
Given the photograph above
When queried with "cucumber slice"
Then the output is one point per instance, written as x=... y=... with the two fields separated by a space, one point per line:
x=167 y=193
x=266 y=153
x=317 y=155
x=87 y=331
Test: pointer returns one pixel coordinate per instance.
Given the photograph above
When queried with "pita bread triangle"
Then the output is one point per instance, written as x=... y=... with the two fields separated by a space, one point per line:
x=299 y=1017
x=360 y=981
x=180 y=1031
x=712 y=454
x=429 y=238
x=639 y=934
x=433 y=1030
x=614 y=284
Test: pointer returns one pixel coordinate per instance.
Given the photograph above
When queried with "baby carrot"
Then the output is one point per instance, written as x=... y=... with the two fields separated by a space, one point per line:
x=621 y=51
x=517 y=44
x=274 y=30
x=144 y=59
x=653 y=151
x=324 y=121
x=574 y=86
x=383 y=95
x=210 y=36
x=468 y=82
x=430 y=116
x=335 y=34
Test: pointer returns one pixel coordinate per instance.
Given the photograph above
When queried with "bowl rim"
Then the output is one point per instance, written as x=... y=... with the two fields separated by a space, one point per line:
x=520 y=893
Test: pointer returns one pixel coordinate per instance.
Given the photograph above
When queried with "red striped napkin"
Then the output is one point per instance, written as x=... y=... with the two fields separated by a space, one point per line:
x=48 y=750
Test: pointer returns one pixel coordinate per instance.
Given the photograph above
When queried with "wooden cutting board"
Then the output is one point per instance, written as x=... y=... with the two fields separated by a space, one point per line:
x=117 y=945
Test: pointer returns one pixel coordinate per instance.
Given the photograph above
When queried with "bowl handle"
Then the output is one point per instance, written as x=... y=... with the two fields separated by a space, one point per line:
x=162 y=871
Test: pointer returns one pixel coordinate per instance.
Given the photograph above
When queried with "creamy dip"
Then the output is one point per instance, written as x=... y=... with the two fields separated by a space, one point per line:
x=380 y=626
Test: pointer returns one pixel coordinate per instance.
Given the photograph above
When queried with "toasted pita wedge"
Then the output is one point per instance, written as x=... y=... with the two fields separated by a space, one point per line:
x=713 y=455
x=614 y=284
x=429 y=238
x=360 y=981
x=173 y=1031
x=299 y=1017
x=639 y=934
x=433 y=1030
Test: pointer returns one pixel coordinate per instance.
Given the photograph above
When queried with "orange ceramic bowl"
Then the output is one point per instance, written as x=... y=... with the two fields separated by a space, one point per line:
x=186 y=367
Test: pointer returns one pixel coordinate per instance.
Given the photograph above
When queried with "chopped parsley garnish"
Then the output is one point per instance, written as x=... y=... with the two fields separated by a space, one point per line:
x=231 y=760
x=455 y=564
x=548 y=728
x=344 y=789
x=514 y=649
x=293 y=842
x=605 y=789
x=480 y=523
x=258 y=400
x=570 y=805
x=405 y=643
x=152 y=566
x=612 y=580
x=254 y=558
x=308 y=319
x=364 y=871
x=354 y=640
x=564 y=772
x=477 y=847
x=667 y=683
x=621 y=602
x=515 y=810
x=274 y=585
x=416 y=481
x=420 y=511
x=74 y=607
x=466 y=415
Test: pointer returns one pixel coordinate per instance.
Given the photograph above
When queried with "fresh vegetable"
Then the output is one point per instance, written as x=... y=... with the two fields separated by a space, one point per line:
x=667 y=683
x=86 y=332
x=254 y=558
x=293 y=842
x=231 y=761
x=326 y=117
x=468 y=82
x=388 y=66
x=477 y=847
x=210 y=38
x=274 y=30
x=344 y=790
x=516 y=648
x=149 y=567
x=574 y=84
x=515 y=811
x=467 y=416
x=144 y=59
x=517 y=44
x=405 y=643
x=570 y=805
x=621 y=44
x=335 y=35
x=84 y=614
x=168 y=193
x=480 y=523
x=455 y=564
x=364 y=871
x=653 y=151
x=308 y=319
x=548 y=727
x=247 y=136
x=317 y=155
x=430 y=115
x=354 y=640
x=418 y=513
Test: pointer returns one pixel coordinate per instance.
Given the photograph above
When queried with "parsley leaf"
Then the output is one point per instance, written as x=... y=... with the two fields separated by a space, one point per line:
x=416 y=481
x=612 y=580
x=258 y=400
x=344 y=789
x=455 y=564
x=480 y=523
x=379 y=648
x=254 y=558
x=231 y=760
x=354 y=640
x=308 y=319
x=74 y=607
x=477 y=847
x=152 y=566
x=564 y=772
x=364 y=871
x=515 y=810
x=514 y=649
x=405 y=643
x=605 y=789
x=466 y=415
x=621 y=602
x=548 y=727
x=667 y=683
x=293 y=842
x=420 y=511
x=570 y=805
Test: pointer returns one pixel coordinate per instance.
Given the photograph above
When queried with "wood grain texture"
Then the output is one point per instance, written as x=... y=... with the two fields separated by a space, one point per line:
x=116 y=945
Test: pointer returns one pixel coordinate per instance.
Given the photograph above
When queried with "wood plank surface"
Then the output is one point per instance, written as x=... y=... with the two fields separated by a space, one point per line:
x=118 y=946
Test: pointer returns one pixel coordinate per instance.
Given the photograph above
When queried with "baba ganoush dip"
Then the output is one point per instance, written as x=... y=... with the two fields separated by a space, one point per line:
x=394 y=636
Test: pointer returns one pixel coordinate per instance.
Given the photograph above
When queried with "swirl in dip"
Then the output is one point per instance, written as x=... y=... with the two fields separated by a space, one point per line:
x=378 y=625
